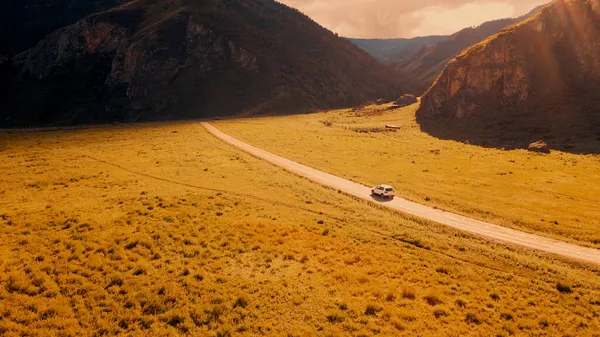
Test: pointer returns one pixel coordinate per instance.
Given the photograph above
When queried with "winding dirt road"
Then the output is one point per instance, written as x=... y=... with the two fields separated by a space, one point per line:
x=473 y=226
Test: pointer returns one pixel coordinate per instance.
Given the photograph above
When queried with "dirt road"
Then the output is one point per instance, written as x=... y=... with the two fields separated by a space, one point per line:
x=491 y=231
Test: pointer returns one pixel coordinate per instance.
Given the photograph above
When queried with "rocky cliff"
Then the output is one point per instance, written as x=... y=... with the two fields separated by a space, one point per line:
x=152 y=59
x=541 y=76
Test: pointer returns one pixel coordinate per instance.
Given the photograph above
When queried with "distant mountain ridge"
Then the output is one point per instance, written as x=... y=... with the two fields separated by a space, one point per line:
x=152 y=59
x=390 y=49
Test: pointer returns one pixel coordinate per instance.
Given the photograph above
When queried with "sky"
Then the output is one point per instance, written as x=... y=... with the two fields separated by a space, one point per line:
x=407 y=18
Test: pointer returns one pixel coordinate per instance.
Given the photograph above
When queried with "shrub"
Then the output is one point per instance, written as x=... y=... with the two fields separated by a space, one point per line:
x=175 y=320
x=372 y=310
x=495 y=297
x=48 y=314
x=461 y=303
x=399 y=326
x=409 y=293
x=241 y=302
x=288 y=257
x=224 y=333
x=442 y=270
x=335 y=318
x=131 y=245
x=440 y=313
x=433 y=299
x=153 y=308
x=472 y=318
x=116 y=280
x=123 y=324
x=214 y=313
x=563 y=288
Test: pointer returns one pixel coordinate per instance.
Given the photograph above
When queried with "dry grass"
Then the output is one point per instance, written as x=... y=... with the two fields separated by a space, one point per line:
x=144 y=231
x=556 y=195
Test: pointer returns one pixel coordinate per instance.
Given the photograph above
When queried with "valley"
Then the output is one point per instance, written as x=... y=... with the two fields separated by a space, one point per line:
x=205 y=168
x=115 y=230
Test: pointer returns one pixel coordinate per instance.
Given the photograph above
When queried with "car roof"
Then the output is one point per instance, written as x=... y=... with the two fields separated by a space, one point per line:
x=386 y=186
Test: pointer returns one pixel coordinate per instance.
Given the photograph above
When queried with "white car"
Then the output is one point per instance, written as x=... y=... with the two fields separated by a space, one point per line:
x=383 y=191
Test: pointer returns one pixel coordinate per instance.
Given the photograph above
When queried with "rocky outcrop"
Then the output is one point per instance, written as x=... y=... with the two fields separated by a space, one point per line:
x=405 y=100
x=490 y=75
x=183 y=58
x=537 y=78
x=540 y=147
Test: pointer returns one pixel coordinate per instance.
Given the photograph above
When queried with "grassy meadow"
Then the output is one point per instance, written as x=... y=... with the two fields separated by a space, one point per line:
x=555 y=195
x=163 y=230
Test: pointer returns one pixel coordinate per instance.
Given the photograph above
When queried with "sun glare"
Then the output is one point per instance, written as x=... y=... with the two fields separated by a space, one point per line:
x=440 y=20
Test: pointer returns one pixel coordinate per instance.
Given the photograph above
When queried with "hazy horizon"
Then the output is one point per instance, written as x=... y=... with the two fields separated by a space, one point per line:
x=407 y=18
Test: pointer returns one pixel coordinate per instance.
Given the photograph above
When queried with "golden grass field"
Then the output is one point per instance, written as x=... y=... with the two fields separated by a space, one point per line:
x=555 y=195
x=162 y=230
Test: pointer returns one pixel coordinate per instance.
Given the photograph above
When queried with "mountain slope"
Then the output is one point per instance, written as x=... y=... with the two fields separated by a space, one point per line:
x=391 y=49
x=428 y=62
x=25 y=22
x=539 y=78
x=152 y=59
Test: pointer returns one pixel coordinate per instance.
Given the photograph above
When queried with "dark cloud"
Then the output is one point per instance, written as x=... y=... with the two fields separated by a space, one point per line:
x=395 y=18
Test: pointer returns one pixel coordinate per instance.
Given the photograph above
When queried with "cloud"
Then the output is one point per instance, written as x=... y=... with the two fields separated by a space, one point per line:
x=407 y=18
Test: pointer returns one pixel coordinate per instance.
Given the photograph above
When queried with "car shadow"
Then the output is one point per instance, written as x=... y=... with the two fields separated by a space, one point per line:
x=380 y=198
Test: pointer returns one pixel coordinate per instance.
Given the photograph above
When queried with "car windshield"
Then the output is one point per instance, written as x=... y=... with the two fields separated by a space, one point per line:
x=389 y=189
